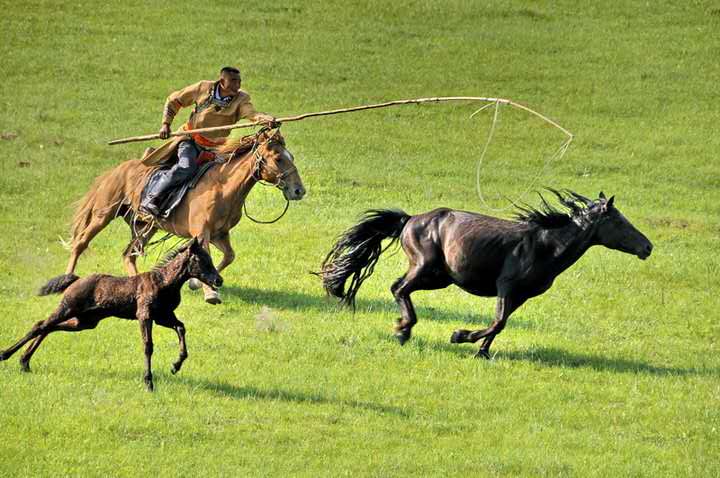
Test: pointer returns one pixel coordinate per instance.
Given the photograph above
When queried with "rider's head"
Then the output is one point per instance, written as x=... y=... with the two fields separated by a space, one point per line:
x=230 y=79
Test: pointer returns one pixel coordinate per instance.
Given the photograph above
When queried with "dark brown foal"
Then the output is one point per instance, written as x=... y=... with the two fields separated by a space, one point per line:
x=149 y=297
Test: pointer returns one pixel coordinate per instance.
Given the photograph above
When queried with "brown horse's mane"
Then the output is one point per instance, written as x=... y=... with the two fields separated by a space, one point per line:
x=243 y=145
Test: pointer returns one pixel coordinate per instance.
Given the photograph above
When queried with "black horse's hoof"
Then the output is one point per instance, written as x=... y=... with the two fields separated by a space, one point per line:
x=402 y=337
x=3 y=356
x=24 y=367
x=483 y=354
x=459 y=336
x=174 y=369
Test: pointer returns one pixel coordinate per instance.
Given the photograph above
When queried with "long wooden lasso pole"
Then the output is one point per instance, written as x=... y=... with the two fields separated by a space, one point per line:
x=286 y=119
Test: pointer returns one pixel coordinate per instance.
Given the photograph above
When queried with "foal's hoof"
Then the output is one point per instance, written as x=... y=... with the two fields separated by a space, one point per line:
x=459 y=336
x=483 y=354
x=213 y=298
x=174 y=369
x=25 y=367
x=194 y=284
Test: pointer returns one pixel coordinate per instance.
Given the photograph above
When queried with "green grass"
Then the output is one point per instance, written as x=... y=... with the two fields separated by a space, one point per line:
x=613 y=372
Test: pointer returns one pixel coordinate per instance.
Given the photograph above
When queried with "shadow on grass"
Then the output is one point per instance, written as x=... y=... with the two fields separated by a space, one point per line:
x=554 y=357
x=249 y=392
x=245 y=392
x=322 y=303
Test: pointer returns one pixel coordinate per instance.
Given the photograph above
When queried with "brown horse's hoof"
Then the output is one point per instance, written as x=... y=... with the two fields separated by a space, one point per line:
x=459 y=336
x=484 y=354
x=213 y=298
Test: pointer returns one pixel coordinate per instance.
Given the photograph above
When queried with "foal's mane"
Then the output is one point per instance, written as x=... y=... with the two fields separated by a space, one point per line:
x=548 y=216
x=172 y=254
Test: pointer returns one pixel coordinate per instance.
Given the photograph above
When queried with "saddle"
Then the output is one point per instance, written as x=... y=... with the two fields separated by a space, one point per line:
x=175 y=195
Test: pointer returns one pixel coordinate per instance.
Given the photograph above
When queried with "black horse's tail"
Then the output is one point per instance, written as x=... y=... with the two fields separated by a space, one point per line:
x=357 y=251
x=58 y=284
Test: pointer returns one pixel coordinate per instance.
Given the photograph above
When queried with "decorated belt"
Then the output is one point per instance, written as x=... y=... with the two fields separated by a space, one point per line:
x=204 y=141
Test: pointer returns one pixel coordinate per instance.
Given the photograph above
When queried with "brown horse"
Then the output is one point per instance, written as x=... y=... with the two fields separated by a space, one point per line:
x=208 y=211
x=149 y=297
x=485 y=256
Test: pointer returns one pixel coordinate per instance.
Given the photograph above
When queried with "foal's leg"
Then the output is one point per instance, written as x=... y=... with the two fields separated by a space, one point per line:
x=146 y=333
x=61 y=314
x=171 y=321
x=504 y=307
x=417 y=278
x=71 y=325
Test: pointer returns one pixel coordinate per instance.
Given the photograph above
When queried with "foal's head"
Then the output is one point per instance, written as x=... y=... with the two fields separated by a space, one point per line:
x=200 y=265
x=191 y=261
x=614 y=231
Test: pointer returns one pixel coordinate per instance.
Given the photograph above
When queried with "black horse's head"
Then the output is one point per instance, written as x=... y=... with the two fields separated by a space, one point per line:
x=614 y=231
x=200 y=265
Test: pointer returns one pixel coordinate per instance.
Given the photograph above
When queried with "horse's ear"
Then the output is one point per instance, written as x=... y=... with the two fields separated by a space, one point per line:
x=194 y=243
x=602 y=195
x=610 y=202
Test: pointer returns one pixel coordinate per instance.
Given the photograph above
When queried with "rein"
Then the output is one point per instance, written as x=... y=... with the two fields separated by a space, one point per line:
x=259 y=162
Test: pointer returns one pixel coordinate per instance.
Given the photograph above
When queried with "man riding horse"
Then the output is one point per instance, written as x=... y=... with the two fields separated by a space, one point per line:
x=217 y=103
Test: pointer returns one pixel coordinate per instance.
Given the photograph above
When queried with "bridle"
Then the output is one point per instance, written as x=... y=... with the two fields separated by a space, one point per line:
x=259 y=163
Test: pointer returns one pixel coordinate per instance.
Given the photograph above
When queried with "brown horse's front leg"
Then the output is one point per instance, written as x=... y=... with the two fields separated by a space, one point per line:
x=211 y=295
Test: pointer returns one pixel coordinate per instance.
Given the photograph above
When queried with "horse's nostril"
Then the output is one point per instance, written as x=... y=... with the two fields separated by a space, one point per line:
x=299 y=192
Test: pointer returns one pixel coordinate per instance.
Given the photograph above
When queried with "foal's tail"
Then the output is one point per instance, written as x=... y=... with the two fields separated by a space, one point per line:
x=357 y=251
x=58 y=284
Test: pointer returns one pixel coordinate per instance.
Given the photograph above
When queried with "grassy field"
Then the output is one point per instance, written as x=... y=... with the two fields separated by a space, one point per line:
x=613 y=372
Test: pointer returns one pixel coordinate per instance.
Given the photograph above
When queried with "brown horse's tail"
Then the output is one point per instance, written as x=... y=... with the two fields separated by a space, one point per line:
x=84 y=207
x=357 y=250
x=105 y=196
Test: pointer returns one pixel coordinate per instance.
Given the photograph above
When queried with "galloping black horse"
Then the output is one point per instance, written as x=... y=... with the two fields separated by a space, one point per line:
x=485 y=256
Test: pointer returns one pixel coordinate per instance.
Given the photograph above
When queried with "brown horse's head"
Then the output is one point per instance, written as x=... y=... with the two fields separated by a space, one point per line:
x=276 y=165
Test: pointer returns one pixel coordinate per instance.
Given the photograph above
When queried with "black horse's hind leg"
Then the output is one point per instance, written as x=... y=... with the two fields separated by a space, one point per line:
x=417 y=278
x=71 y=325
x=172 y=322
x=504 y=307
x=61 y=314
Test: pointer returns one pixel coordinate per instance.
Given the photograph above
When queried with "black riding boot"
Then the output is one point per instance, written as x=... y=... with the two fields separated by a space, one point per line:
x=182 y=171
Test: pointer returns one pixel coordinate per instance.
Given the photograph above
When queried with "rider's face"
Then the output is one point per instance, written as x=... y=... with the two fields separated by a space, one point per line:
x=230 y=82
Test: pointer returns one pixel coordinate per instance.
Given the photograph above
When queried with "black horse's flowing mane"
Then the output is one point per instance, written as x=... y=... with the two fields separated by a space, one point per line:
x=548 y=216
